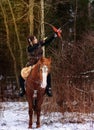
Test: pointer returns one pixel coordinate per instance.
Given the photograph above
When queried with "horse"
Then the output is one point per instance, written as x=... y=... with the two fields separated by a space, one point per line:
x=36 y=84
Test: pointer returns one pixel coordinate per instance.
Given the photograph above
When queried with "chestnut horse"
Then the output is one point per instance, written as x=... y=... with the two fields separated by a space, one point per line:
x=36 y=84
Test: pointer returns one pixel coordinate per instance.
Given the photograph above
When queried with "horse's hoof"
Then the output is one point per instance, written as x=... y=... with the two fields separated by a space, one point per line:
x=38 y=126
x=30 y=127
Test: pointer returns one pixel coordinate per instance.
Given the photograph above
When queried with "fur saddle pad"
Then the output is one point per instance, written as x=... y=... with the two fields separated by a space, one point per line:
x=26 y=71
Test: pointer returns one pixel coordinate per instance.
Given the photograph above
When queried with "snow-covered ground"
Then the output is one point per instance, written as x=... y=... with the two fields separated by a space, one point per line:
x=14 y=116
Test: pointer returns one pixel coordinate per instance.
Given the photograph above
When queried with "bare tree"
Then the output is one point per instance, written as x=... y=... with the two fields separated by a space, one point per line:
x=31 y=16
x=75 y=20
x=8 y=42
x=42 y=23
x=17 y=34
x=89 y=11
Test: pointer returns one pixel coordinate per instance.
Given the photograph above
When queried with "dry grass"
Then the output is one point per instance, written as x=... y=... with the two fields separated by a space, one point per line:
x=72 y=99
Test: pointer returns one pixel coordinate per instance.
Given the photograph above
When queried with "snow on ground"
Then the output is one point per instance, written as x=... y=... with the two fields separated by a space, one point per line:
x=14 y=116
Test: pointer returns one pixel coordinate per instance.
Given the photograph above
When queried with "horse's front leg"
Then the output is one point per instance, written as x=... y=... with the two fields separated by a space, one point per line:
x=30 y=117
x=38 y=111
x=30 y=100
x=38 y=118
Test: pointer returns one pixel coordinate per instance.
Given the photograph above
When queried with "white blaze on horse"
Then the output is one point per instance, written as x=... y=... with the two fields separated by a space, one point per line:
x=44 y=70
x=36 y=84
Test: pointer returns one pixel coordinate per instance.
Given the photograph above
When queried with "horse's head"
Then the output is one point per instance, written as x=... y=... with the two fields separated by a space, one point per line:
x=44 y=69
x=45 y=63
x=40 y=71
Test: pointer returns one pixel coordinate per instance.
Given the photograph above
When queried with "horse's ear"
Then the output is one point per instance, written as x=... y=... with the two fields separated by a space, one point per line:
x=41 y=59
x=49 y=59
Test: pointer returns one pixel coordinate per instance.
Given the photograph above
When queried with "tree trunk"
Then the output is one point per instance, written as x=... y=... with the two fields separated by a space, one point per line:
x=75 y=20
x=31 y=16
x=17 y=34
x=89 y=12
x=42 y=23
x=8 y=43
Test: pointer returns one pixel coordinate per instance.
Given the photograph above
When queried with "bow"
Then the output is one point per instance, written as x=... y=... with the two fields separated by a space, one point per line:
x=58 y=31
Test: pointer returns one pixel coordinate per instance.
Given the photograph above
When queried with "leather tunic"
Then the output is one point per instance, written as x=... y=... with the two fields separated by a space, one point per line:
x=35 y=51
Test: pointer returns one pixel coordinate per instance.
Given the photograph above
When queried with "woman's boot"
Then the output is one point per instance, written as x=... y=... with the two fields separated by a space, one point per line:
x=22 y=86
x=48 y=87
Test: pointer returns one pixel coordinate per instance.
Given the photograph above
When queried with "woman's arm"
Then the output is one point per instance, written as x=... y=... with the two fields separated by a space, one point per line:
x=41 y=43
x=48 y=40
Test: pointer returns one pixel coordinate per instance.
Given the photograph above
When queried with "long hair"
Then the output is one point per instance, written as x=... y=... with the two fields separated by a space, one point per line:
x=30 y=39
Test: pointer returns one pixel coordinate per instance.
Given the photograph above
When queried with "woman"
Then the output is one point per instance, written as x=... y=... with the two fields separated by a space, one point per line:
x=35 y=52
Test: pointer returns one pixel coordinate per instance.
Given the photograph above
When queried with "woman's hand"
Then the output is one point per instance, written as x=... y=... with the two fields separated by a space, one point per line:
x=57 y=31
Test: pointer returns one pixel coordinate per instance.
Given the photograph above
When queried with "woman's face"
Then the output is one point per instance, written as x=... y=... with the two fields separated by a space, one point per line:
x=35 y=40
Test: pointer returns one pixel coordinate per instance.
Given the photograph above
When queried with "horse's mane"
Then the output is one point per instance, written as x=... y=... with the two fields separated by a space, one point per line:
x=44 y=61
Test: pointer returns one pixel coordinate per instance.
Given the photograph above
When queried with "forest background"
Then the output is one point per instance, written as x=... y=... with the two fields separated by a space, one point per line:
x=72 y=55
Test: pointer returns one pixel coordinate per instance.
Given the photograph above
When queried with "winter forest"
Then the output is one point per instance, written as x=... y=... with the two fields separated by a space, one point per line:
x=72 y=55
